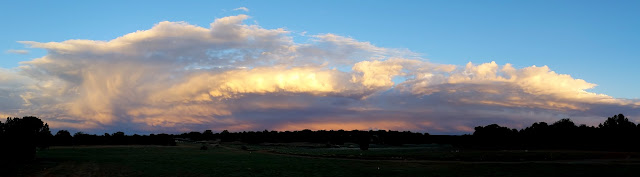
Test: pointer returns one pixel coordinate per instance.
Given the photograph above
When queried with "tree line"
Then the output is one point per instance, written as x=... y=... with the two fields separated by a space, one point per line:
x=64 y=138
x=21 y=137
x=328 y=137
x=615 y=133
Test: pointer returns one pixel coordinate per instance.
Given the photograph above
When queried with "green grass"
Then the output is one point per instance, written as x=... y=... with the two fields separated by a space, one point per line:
x=444 y=153
x=188 y=160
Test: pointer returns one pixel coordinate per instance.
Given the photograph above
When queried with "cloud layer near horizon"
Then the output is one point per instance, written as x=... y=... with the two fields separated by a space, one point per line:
x=179 y=77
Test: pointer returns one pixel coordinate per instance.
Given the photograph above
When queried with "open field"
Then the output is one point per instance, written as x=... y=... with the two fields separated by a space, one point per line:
x=229 y=160
x=431 y=152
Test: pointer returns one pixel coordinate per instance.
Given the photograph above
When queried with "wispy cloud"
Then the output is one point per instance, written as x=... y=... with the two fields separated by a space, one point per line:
x=244 y=77
x=21 y=52
x=242 y=9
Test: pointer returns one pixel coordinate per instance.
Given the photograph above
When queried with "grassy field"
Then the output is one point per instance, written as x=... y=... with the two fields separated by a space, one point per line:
x=444 y=153
x=188 y=160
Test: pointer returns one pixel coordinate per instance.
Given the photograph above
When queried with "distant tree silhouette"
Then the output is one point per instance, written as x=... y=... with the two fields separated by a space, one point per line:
x=195 y=135
x=363 y=140
x=63 y=138
x=618 y=122
x=536 y=136
x=119 y=138
x=44 y=137
x=207 y=135
x=494 y=130
x=494 y=136
x=118 y=134
x=564 y=124
x=616 y=131
x=538 y=128
x=225 y=136
x=564 y=133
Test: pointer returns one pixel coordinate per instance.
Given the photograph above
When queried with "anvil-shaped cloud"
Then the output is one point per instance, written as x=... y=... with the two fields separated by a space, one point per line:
x=179 y=77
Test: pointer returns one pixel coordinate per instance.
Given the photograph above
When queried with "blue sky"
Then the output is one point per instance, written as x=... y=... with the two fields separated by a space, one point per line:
x=90 y=85
x=597 y=41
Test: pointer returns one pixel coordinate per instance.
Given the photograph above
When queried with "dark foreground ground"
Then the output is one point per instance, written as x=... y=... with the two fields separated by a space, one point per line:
x=286 y=160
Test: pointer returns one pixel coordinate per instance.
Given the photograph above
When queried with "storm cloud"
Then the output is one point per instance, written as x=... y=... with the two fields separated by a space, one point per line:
x=178 y=77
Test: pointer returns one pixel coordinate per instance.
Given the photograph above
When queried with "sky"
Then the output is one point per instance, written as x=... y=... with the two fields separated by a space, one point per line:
x=441 y=67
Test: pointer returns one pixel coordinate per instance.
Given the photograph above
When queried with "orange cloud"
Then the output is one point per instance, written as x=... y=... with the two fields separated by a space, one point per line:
x=364 y=125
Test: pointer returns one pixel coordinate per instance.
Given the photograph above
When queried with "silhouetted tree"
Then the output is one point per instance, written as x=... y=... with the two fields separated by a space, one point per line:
x=119 y=138
x=63 y=138
x=619 y=132
x=617 y=122
x=20 y=137
x=564 y=124
x=364 y=138
x=225 y=136
x=207 y=135
x=196 y=136
x=45 y=137
x=494 y=130
x=495 y=136
x=537 y=129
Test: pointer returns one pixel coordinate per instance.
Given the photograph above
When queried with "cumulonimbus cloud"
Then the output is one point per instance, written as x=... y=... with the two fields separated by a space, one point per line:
x=179 y=77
